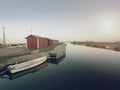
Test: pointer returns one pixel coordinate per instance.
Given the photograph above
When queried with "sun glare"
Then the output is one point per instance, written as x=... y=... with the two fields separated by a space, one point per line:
x=107 y=25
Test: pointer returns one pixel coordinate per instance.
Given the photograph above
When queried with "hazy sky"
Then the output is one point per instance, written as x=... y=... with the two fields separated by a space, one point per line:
x=81 y=20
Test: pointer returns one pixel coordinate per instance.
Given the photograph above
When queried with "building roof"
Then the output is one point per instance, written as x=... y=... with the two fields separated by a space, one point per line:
x=34 y=36
x=39 y=37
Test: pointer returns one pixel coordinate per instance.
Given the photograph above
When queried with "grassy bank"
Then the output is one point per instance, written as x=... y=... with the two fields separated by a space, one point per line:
x=48 y=48
x=3 y=59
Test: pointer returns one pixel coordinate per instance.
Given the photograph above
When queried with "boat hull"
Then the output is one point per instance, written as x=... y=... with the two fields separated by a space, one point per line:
x=13 y=69
x=28 y=71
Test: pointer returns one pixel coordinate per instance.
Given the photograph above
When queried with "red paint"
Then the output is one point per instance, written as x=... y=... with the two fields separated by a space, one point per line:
x=31 y=42
x=43 y=42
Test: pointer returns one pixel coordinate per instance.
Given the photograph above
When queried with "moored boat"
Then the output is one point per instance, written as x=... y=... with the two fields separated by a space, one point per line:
x=26 y=65
x=58 y=52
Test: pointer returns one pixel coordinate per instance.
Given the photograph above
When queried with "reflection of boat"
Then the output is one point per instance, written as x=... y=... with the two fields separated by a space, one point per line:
x=25 y=72
x=26 y=65
x=57 y=61
x=3 y=70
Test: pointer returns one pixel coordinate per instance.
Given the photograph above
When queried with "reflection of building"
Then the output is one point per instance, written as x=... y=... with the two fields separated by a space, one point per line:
x=37 y=42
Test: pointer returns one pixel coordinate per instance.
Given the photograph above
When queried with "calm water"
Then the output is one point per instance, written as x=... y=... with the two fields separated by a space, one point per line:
x=83 y=68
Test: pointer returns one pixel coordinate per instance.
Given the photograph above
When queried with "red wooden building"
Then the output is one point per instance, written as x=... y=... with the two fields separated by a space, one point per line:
x=37 y=42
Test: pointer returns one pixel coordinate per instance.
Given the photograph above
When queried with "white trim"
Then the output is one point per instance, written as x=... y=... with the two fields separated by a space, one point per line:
x=38 y=43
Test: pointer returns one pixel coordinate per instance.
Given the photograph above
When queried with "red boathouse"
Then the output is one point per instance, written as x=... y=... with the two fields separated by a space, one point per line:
x=37 y=42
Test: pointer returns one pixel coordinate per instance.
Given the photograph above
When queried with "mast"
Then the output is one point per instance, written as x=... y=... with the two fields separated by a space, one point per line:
x=4 y=39
x=31 y=31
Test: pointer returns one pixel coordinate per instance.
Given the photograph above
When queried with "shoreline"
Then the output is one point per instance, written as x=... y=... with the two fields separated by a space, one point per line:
x=102 y=45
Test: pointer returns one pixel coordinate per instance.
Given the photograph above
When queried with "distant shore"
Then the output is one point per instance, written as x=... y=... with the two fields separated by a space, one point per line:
x=104 y=45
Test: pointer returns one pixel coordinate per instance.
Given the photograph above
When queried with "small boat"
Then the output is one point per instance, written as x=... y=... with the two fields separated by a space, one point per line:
x=26 y=65
x=26 y=72
x=58 y=52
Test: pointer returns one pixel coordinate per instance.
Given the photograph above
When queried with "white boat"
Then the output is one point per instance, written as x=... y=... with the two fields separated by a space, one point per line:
x=26 y=65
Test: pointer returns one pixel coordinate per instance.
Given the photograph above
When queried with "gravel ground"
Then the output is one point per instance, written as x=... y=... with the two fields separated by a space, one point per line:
x=10 y=51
